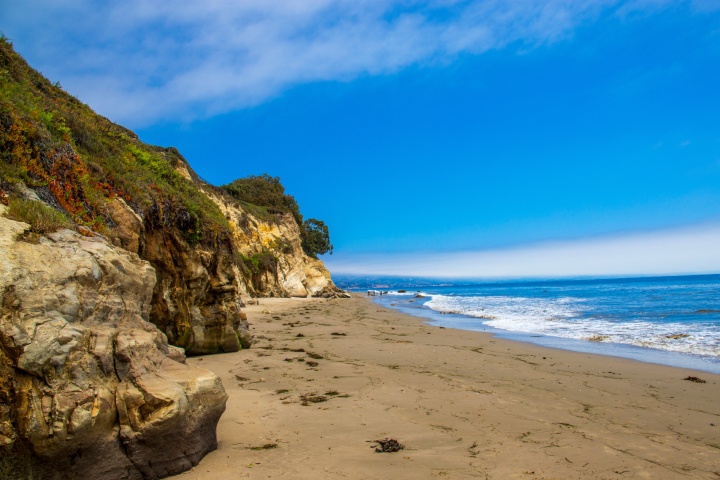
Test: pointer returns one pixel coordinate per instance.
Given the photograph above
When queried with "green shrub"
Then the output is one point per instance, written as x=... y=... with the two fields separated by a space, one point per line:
x=260 y=262
x=282 y=245
x=261 y=213
x=264 y=191
x=42 y=219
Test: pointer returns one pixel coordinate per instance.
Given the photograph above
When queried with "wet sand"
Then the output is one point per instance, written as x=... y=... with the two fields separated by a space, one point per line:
x=327 y=377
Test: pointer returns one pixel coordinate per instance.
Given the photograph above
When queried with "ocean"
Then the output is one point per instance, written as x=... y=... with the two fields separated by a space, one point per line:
x=667 y=320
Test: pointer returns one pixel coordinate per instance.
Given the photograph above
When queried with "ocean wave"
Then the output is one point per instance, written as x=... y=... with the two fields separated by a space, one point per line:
x=697 y=339
x=568 y=317
x=517 y=308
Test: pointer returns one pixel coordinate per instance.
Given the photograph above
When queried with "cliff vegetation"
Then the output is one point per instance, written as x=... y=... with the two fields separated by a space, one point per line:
x=265 y=197
x=114 y=253
x=64 y=166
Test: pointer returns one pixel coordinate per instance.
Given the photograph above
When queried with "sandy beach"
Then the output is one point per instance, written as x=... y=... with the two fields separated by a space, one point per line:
x=325 y=378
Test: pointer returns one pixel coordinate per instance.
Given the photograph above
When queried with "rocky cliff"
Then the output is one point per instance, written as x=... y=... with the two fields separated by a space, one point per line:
x=89 y=388
x=290 y=272
x=113 y=254
x=209 y=252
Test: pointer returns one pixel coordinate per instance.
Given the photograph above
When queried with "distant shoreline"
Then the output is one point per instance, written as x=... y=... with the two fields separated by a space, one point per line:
x=677 y=344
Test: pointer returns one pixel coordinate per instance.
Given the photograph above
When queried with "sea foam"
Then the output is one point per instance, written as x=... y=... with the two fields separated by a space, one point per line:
x=568 y=317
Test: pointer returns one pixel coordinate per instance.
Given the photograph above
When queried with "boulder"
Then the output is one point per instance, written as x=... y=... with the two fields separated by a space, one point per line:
x=88 y=387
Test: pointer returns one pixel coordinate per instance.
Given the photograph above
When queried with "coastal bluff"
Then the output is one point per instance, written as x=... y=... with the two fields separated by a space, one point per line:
x=88 y=387
x=210 y=251
x=117 y=260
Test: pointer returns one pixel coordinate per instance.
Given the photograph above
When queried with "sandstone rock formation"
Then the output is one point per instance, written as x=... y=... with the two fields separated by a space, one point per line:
x=196 y=301
x=295 y=274
x=88 y=387
x=209 y=254
x=92 y=382
x=200 y=290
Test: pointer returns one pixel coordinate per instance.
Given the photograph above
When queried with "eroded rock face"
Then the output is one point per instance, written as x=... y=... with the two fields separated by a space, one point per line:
x=196 y=302
x=201 y=288
x=129 y=231
x=200 y=291
x=296 y=275
x=88 y=387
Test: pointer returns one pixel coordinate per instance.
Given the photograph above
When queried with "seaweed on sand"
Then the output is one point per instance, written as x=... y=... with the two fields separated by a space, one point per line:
x=388 y=445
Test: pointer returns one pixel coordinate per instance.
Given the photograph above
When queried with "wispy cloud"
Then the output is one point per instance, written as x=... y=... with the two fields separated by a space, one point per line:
x=141 y=61
x=681 y=251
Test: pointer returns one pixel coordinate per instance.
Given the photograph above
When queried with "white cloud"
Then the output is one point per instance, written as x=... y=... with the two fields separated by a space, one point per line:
x=690 y=250
x=141 y=61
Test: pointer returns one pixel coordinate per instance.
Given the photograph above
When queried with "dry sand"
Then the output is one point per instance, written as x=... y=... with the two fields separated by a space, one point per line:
x=464 y=404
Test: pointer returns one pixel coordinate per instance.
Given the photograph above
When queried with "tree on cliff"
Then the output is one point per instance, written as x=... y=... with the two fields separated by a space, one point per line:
x=265 y=191
x=316 y=238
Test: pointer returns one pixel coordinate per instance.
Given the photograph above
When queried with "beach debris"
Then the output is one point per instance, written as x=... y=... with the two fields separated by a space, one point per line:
x=694 y=379
x=267 y=446
x=332 y=393
x=314 y=356
x=309 y=398
x=677 y=336
x=241 y=379
x=281 y=391
x=402 y=291
x=339 y=334
x=388 y=445
x=310 y=363
x=297 y=350
x=473 y=450
x=299 y=335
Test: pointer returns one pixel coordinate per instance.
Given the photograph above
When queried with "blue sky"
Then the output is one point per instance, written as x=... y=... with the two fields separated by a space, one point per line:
x=446 y=137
